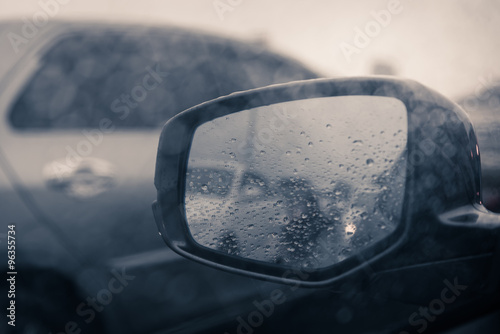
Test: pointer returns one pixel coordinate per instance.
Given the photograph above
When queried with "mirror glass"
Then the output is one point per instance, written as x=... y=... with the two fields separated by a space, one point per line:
x=305 y=183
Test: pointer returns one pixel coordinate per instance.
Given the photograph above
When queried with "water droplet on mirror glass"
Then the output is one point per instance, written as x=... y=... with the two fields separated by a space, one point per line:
x=350 y=229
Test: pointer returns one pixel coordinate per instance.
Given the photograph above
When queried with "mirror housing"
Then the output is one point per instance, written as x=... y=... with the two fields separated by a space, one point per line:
x=442 y=218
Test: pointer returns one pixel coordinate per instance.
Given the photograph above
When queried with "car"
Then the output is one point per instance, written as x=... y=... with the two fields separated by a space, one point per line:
x=420 y=251
x=82 y=106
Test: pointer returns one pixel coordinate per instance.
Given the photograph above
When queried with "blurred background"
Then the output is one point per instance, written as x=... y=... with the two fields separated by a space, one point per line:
x=58 y=118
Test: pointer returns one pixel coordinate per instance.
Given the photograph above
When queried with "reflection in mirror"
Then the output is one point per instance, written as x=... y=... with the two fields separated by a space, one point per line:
x=306 y=183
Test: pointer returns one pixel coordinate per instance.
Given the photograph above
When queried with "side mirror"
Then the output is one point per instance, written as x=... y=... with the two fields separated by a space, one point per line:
x=320 y=181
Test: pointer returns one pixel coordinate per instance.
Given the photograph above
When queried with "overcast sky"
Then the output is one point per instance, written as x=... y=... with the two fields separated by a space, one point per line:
x=449 y=45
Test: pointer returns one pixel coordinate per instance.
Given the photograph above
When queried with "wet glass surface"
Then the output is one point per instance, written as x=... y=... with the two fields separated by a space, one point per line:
x=307 y=182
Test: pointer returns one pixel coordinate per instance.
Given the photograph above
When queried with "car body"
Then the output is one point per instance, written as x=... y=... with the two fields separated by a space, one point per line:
x=81 y=107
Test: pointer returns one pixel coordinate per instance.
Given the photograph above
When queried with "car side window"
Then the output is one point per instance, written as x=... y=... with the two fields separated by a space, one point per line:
x=139 y=79
x=126 y=78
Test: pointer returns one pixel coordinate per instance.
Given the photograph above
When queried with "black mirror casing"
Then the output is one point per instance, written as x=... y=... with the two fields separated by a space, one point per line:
x=443 y=218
